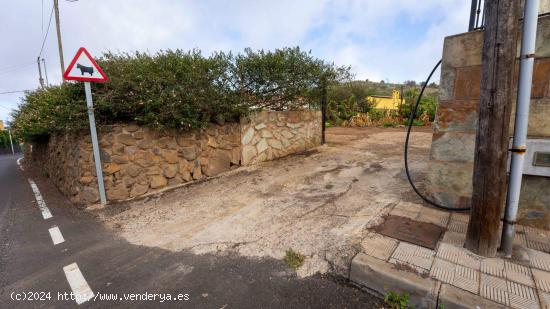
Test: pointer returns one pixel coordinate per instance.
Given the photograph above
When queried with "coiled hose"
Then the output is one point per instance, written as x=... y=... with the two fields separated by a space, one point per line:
x=411 y=119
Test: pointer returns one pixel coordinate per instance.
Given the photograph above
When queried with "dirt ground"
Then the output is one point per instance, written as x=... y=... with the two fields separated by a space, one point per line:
x=319 y=203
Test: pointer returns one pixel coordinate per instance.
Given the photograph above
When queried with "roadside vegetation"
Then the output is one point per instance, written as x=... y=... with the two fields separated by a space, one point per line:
x=181 y=90
x=5 y=140
x=348 y=104
x=294 y=259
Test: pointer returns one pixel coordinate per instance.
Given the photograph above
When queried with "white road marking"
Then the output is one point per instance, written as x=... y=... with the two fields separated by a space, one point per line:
x=46 y=214
x=81 y=290
x=56 y=235
x=19 y=163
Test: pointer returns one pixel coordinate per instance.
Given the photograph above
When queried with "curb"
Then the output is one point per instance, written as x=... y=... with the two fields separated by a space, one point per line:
x=383 y=277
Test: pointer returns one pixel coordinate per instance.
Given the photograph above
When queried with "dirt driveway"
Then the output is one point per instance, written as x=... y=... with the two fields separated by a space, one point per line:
x=319 y=203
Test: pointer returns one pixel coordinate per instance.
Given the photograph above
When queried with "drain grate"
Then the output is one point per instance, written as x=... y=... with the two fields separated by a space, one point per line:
x=419 y=233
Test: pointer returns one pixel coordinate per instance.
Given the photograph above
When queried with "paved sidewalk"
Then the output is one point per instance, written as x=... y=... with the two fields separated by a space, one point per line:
x=451 y=275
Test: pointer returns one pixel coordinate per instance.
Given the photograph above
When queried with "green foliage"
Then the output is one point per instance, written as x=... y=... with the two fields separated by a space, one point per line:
x=180 y=90
x=396 y=301
x=294 y=259
x=5 y=139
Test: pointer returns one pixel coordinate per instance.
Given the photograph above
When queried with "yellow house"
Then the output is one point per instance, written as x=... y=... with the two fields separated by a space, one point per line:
x=1 y=125
x=387 y=102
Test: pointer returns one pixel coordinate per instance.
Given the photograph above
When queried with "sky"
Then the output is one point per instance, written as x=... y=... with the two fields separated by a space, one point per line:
x=391 y=40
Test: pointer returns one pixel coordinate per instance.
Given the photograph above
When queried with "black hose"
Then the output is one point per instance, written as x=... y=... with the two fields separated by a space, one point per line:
x=411 y=119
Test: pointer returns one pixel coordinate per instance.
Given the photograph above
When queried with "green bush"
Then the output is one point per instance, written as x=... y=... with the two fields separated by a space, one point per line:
x=180 y=90
x=5 y=139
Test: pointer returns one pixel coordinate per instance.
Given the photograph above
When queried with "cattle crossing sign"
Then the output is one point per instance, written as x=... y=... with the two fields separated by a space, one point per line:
x=84 y=68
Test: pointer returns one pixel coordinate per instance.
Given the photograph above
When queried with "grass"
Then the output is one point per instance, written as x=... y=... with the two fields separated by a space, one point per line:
x=294 y=259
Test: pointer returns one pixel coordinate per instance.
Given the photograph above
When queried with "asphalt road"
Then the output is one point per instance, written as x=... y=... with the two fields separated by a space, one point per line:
x=32 y=268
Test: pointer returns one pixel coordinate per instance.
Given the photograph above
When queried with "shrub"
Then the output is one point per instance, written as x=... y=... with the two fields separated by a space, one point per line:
x=180 y=90
x=294 y=259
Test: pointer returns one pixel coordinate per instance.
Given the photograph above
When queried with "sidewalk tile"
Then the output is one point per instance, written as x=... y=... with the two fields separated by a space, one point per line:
x=494 y=288
x=493 y=266
x=434 y=216
x=454 y=238
x=544 y=299
x=379 y=246
x=414 y=255
x=457 y=226
x=518 y=273
x=466 y=279
x=542 y=280
x=522 y=296
x=539 y=259
x=459 y=256
x=443 y=271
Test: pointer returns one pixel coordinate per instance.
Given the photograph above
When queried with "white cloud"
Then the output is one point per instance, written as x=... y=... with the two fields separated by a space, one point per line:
x=398 y=39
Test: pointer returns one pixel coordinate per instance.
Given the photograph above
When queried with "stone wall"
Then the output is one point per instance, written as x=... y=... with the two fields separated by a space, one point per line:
x=137 y=160
x=453 y=144
x=269 y=134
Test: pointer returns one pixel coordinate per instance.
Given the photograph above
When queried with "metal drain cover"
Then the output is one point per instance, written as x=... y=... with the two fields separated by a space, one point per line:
x=415 y=232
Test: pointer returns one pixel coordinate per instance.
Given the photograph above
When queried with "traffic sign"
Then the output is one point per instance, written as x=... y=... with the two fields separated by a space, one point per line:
x=84 y=68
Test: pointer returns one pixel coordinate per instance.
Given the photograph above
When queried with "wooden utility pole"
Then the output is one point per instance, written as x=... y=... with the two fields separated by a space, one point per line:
x=323 y=108
x=492 y=140
x=58 y=28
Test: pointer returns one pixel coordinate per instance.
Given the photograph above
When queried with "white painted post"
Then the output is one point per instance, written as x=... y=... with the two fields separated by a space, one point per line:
x=11 y=141
x=95 y=144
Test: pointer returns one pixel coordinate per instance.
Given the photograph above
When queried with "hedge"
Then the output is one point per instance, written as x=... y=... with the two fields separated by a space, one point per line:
x=180 y=90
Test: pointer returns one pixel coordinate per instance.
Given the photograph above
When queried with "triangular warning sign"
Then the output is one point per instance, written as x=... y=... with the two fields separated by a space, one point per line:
x=84 y=68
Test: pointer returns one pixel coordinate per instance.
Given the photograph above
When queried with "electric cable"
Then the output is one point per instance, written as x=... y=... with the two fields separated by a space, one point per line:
x=46 y=35
x=406 y=152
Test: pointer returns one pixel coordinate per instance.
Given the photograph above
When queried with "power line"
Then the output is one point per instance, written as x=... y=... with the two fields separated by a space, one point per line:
x=15 y=91
x=46 y=35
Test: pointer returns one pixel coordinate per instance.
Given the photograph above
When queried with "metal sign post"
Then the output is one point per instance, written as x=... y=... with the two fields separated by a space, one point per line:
x=95 y=144
x=84 y=68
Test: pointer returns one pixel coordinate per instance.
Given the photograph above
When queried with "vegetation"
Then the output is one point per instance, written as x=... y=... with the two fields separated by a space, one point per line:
x=5 y=139
x=348 y=104
x=396 y=301
x=294 y=259
x=181 y=90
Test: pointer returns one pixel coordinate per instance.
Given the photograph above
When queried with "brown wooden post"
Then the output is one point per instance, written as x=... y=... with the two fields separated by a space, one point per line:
x=492 y=140
x=323 y=108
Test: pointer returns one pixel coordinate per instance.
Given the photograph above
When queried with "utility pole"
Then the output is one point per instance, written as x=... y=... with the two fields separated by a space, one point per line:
x=492 y=139
x=40 y=79
x=323 y=108
x=59 y=44
x=45 y=72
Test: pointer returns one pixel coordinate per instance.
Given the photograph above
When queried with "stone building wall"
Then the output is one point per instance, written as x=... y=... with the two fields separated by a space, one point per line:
x=137 y=160
x=453 y=143
x=269 y=134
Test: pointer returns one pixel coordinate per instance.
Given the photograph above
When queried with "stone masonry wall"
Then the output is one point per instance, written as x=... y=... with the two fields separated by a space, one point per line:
x=270 y=134
x=137 y=160
x=453 y=143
